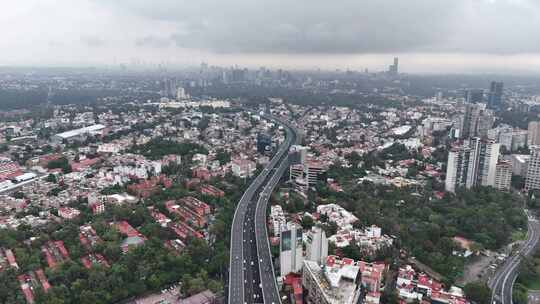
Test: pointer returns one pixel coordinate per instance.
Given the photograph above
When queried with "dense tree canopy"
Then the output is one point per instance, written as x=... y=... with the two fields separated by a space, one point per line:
x=157 y=148
x=426 y=226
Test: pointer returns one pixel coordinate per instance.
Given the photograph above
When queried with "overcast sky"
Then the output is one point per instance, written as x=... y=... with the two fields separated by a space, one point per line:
x=433 y=36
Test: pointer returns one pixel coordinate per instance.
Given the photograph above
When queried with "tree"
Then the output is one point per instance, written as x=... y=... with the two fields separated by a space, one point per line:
x=527 y=269
x=520 y=294
x=478 y=292
x=223 y=156
x=307 y=222
x=51 y=178
x=61 y=163
x=518 y=182
x=351 y=251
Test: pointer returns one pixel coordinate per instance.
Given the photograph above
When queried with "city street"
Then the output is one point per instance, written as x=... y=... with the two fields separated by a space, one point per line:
x=251 y=276
x=503 y=281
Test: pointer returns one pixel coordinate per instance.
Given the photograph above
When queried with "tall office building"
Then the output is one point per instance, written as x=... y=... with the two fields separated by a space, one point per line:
x=471 y=164
x=394 y=68
x=316 y=245
x=290 y=257
x=503 y=176
x=533 y=138
x=477 y=120
x=532 y=181
x=474 y=96
x=495 y=95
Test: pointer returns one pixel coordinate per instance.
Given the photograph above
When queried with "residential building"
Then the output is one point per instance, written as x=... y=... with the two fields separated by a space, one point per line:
x=337 y=214
x=277 y=218
x=520 y=162
x=243 y=168
x=88 y=237
x=503 y=176
x=31 y=281
x=7 y=258
x=342 y=281
x=512 y=139
x=133 y=237
x=55 y=252
x=413 y=286
x=476 y=121
x=211 y=191
x=472 y=163
x=68 y=213
x=98 y=208
x=92 y=259
x=532 y=180
x=534 y=133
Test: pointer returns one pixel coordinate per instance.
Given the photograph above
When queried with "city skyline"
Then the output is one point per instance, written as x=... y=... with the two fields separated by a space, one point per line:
x=443 y=37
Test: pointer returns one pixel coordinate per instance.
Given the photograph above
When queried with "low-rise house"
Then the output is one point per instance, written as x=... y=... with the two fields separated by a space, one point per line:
x=31 y=281
x=55 y=253
x=68 y=213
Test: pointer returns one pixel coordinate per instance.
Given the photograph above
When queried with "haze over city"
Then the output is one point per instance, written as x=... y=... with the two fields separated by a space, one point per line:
x=270 y=152
x=448 y=36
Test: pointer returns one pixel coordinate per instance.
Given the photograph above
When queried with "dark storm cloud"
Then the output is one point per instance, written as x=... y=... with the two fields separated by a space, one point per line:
x=346 y=26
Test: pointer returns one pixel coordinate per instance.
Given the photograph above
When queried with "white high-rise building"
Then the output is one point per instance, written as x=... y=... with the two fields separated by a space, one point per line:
x=532 y=182
x=456 y=168
x=290 y=255
x=181 y=94
x=486 y=156
x=316 y=245
x=534 y=133
x=471 y=164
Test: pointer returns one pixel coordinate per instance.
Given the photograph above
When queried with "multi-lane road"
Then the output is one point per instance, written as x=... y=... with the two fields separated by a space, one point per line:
x=502 y=282
x=251 y=272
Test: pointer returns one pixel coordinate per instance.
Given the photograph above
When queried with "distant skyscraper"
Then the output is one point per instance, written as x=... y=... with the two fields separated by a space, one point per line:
x=474 y=96
x=394 y=68
x=168 y=88
x=181 y=94
x=290 y=257
x=532 y=181
x=533 y=136
x=495 y=94
x=316 y=245
x=471 y=164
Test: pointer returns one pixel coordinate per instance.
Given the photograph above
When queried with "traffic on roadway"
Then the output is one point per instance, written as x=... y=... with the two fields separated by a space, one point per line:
x=503 y=281
x=251 y=271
